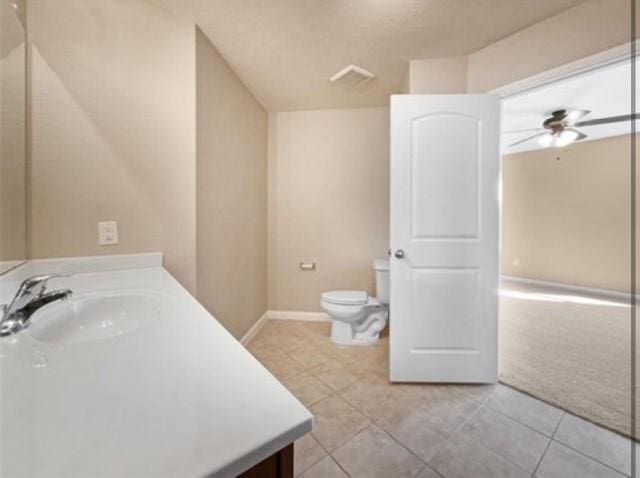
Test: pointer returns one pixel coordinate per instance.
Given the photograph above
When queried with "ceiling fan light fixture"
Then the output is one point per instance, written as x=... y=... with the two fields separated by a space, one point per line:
x=546 y=140
x=566 y=137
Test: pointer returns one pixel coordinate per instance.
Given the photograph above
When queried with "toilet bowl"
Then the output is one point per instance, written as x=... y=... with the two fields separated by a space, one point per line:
x=356 y=318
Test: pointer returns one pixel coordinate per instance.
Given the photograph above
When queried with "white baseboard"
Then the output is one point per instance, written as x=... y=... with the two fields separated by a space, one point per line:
x=616 y=294
x=255 y=328
x=282 y=315
x=297 y=315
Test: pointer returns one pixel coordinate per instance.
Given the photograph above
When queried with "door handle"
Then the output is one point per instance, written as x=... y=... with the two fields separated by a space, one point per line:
x=399 y=254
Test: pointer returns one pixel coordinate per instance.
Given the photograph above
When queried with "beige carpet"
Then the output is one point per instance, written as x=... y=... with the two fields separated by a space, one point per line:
x=570 y=350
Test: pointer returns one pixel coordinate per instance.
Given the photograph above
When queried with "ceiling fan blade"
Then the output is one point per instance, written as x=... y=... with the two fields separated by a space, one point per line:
x=574 y=115
x=527 y=139
x=580 y=134
x=607 y=120
x=522 y=130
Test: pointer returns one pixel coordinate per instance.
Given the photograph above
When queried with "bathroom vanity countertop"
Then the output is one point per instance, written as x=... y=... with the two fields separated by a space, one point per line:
x=176 y=397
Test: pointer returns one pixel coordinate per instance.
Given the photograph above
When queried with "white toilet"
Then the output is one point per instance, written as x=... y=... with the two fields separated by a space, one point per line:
x=356 y=318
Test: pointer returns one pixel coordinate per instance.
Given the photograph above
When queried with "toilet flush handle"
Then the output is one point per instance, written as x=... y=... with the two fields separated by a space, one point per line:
x=399 y=254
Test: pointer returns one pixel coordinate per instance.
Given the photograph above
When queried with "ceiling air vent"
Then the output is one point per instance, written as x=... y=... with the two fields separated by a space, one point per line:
x=352 y=76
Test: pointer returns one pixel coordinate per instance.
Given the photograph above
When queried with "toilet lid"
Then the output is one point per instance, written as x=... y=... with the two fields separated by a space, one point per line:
x=346 y=297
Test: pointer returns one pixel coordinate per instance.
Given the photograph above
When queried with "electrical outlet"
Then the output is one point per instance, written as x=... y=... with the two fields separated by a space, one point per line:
x=516 y=262
x=108 y=233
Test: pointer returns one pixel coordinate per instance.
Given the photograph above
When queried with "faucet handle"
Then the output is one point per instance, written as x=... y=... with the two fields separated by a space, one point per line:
x=32 y=287
x=45 y=277
x=36 y=285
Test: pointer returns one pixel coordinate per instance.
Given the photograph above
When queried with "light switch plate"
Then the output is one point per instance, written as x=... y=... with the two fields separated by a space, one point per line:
x=108 y=233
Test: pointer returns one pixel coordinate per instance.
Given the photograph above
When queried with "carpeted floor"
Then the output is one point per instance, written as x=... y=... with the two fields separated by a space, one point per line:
x=570 y=350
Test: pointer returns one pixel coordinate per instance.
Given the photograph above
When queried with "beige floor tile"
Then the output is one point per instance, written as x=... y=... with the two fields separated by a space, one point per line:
x=446 y=416
x=374 y=357
x=373 y=453
x=278 y=363
x=431 y=394
x=335 y=374
x=411 y=430
x=286 y=334
x=336 y=421
x=478 y=392
x=325 y=468
x=528 y=410
x=307 y=388
x=512 y=440
x=428 y=473
x=318 y=330
x=603 y=445
x=310 y=355
x=376 y=397
x=293 y=344
x=306 y=453
x=562 y=462
x=258 y=345
x=460 y=458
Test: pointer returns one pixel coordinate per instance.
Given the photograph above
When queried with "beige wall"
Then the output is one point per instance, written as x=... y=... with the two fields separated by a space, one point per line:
x=113 y=130
x=328 y=201
x=584 y=30
x=12 y=138
x=565 y=214
x=231 y=194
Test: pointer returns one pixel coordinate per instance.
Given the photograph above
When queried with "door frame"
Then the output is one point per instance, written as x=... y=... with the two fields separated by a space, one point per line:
x=604 y=59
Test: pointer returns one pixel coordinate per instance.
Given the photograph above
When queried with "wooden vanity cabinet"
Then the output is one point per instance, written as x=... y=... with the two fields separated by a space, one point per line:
x=278 y=465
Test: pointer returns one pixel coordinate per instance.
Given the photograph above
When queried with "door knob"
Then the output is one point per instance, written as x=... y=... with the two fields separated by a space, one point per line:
x=399 y=254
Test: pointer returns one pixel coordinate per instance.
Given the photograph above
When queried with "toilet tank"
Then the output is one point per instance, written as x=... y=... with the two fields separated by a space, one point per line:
x=381 y=267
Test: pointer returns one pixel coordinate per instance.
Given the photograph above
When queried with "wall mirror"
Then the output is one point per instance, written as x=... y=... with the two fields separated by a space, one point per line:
x=13 y=127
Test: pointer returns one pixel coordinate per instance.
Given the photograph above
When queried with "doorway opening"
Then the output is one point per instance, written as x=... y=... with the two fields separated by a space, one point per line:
x=565 y=329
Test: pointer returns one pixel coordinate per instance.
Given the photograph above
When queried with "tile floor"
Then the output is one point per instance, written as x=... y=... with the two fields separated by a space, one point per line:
x=367 y=427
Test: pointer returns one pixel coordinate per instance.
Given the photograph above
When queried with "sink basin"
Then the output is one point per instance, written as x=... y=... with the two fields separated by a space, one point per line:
x=96 y=316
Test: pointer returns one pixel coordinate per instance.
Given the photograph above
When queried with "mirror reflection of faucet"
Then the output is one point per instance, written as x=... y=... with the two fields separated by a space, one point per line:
x=31 y=296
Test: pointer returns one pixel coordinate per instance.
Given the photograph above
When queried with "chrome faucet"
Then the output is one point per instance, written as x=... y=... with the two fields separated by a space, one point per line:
x=31 y=296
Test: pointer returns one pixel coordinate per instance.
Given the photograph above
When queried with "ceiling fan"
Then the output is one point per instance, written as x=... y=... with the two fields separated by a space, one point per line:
x=559 y=129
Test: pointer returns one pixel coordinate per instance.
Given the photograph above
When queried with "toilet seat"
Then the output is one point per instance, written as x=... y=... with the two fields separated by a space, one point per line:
x=346 y=297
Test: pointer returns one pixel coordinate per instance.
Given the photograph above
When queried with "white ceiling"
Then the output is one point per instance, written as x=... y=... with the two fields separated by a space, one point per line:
x=605 y=92
x=286 y=50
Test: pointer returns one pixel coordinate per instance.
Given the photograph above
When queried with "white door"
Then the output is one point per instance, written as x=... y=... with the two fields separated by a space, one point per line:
x=445 y=169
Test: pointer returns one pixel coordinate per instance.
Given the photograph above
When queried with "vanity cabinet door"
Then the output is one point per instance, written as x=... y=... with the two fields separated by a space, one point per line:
x=279 y=465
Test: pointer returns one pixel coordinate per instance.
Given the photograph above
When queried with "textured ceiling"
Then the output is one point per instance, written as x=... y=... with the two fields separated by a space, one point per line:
x=285 y=50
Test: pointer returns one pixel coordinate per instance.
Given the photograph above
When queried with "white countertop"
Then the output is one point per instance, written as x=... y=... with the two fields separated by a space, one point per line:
x=177 y=397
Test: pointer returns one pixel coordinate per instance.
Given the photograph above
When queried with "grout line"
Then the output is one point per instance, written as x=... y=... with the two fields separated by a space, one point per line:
x=526 y=424
x=589 y=457
x=553 y=438
x=458 y=431
x=421 y=470
x=330 y=454
x=312 y=464
x=373 y=423
x=433 y=469
x=478 y=444
x=555 y=430
x=339 y=465
x=468 y=419
x=563 y=408
x=401 y=444
x=535 y=470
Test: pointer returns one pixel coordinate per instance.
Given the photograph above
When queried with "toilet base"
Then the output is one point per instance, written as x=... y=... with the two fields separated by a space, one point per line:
x=365 y=333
